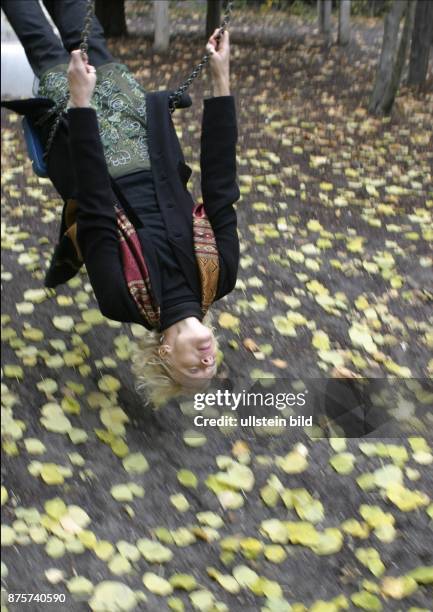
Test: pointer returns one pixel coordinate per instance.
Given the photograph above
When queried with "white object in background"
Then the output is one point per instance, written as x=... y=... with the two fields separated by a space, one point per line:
x=17 y=78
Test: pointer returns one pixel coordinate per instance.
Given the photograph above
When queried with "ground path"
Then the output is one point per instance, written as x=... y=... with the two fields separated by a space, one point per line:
x=335 y=226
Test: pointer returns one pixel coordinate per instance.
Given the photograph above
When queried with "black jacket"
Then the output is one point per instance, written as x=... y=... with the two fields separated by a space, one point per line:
x=77 y=168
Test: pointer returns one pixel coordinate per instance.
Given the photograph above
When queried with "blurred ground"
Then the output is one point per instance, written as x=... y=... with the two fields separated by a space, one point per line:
x=335 y=227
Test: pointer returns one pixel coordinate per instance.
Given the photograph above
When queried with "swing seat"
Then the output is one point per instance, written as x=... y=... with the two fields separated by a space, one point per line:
x=34 y=148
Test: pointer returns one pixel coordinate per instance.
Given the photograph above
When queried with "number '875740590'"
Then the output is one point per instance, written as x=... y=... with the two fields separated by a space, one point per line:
x=36 y=597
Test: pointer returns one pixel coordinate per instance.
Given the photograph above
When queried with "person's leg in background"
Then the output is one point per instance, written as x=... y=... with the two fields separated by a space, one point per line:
x=43 y=48
x=69 y=17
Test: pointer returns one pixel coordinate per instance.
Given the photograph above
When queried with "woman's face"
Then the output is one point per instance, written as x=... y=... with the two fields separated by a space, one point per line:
x=191 y=355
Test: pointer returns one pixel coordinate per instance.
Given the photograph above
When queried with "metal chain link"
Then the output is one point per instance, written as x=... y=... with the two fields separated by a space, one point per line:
x=84 y=46
x=60 y=108
x=174 y=99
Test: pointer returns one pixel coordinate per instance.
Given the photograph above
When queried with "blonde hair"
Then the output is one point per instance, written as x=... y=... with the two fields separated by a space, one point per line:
x=153 y=381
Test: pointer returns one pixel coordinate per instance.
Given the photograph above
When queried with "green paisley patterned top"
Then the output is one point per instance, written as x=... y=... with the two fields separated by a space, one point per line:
x=120 y=104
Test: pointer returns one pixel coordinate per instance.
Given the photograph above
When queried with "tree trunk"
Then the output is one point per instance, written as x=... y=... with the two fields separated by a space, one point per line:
x=324 y=9
x=344 y=22
x=213 y=16
x=162 y=25
x=386 y=72
x=111 y=14
x=401 y=59
x=422 y=38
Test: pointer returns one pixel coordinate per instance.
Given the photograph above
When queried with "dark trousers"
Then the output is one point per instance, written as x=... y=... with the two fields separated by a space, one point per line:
x=43 y=48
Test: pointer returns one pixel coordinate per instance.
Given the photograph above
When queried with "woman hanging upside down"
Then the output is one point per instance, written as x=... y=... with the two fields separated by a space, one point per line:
x=152 y=257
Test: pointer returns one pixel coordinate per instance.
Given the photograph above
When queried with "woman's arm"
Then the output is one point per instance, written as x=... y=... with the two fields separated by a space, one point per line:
x=218 y=162
x=96 y=220
x=219 y=137
x=218 y=182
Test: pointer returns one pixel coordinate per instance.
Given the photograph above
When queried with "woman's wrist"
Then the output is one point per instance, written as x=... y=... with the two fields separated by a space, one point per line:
x=77 y=103
x=221 y=86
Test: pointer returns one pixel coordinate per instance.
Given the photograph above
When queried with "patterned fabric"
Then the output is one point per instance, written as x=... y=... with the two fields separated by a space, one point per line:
x=135 y=269
x=137 y=275
x=134 y=266
x=206 y=254
x=120 y=104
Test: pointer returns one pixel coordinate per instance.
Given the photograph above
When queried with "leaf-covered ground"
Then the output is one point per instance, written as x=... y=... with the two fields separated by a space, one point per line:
x=335 y=225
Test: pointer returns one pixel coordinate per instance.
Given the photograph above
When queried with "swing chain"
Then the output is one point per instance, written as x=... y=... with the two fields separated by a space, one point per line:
x=174 y=99
x=60 y=108
x=84 y=46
